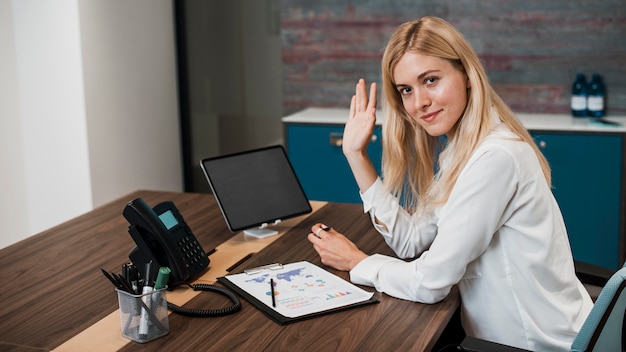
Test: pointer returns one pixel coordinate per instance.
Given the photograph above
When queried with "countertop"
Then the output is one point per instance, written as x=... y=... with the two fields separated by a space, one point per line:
x=532 y=121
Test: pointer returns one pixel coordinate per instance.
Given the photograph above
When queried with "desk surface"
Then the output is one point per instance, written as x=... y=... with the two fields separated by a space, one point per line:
x=54 y=290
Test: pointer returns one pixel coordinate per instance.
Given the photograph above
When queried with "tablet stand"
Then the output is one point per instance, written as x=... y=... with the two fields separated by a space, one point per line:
x=260 y=232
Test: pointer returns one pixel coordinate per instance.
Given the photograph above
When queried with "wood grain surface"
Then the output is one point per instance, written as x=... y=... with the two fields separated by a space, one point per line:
x=55 y=289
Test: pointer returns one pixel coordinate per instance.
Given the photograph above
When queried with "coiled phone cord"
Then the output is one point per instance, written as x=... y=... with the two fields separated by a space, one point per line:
x=190 y=312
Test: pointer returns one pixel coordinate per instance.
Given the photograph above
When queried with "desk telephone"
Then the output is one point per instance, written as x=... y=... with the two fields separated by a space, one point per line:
x=163 y=237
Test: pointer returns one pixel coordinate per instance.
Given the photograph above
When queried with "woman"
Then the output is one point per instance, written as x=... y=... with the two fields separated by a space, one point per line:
x=479 y=214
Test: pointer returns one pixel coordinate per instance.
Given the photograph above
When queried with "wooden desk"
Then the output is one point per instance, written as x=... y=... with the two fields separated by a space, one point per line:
x=54 y=292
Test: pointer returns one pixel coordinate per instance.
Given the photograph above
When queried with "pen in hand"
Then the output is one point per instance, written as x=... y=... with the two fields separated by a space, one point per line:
x=323 y=227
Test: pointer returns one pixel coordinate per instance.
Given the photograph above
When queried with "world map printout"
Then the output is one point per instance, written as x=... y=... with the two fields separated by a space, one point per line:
x=300 y=288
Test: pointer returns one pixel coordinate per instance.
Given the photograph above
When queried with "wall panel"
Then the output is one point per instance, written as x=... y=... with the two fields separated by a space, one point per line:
x=532 y=50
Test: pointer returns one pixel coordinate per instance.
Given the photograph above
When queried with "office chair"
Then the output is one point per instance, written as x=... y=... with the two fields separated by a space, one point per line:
x=603 y=330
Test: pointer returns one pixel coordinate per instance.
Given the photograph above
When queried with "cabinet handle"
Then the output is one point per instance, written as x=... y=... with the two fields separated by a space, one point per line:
x=336 y=139
x=543 y=144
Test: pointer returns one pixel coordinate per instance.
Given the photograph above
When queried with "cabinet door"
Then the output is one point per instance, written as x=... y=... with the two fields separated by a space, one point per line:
x=315 y=153
x=586 y=182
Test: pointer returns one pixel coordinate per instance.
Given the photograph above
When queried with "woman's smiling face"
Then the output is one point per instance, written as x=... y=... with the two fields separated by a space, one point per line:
x=433 y=91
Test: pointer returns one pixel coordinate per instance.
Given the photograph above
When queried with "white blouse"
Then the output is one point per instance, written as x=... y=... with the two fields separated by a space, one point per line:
x=500 y=237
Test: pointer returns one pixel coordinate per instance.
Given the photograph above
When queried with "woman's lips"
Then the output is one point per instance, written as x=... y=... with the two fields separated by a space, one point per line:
x=430 y=117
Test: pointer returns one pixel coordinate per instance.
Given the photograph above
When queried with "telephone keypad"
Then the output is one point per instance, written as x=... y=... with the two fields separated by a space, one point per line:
x=193 y=253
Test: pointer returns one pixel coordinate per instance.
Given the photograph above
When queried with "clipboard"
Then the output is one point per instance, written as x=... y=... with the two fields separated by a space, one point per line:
x=300 y=291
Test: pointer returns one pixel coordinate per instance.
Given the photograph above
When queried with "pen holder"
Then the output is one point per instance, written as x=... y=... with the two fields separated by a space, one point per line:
x=143 y=317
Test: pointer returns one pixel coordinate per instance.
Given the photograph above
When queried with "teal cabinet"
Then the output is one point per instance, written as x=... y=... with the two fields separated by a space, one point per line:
x=587 y=182
x=316 y=155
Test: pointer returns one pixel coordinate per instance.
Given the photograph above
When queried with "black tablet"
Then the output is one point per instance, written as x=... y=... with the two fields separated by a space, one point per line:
x=255 y=189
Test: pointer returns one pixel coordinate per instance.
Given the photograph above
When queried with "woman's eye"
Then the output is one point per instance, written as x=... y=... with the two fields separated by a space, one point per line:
x=430 y=80
x=405 y=90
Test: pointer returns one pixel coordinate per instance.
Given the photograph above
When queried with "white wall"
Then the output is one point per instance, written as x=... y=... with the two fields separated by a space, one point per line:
x=13 y=204
x=88 y=107
x=129 y=63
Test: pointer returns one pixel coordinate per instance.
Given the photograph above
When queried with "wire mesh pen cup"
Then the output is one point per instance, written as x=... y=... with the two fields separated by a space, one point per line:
x=143 y=317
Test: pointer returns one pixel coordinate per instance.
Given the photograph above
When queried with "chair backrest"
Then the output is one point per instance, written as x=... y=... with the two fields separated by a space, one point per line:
x=604 y=328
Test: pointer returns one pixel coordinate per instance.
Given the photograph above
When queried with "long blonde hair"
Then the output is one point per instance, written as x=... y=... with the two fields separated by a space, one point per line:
x=409 y=153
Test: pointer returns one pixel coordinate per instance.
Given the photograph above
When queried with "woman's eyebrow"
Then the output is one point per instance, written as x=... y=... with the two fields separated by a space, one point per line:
x=425 y=73
x=419 y=77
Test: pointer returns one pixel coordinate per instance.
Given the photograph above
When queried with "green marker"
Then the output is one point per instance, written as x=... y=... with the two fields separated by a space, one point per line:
x=162 y=277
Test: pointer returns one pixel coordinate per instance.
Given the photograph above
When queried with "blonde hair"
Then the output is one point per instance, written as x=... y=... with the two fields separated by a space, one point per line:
x=409 y=153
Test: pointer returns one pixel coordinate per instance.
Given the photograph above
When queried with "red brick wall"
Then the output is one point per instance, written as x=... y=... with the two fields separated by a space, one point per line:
x=531 y=49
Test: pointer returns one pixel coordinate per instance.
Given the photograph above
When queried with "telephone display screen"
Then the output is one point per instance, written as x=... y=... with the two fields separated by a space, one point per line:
x=255 y=187
x=168 y=219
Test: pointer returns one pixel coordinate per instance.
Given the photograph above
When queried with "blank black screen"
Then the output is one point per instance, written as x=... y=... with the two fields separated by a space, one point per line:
x=255 y=187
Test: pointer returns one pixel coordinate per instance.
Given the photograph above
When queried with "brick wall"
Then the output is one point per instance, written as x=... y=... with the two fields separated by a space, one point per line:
x=531 y=49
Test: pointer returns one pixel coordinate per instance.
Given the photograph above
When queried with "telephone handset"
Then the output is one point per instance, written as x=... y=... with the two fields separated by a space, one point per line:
x=163 y=237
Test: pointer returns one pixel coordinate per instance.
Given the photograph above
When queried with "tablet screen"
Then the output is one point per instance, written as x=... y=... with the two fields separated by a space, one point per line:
x=255 y=187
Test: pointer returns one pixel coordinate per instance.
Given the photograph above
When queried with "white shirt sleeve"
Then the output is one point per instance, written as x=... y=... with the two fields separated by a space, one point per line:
x=463 y=230
x=406 y=235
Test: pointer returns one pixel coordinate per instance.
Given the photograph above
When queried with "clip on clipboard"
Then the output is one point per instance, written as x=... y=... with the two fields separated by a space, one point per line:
x=297 y=291
x=258 y=269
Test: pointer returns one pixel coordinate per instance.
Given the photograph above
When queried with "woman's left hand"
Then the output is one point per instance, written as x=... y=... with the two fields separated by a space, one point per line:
x=335 y=249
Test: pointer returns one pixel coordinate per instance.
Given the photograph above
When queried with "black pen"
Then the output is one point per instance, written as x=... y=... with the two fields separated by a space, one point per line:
x=133 y=277
x=113 y=281
x=124 y=274
x=272 y=293
x=124 y=285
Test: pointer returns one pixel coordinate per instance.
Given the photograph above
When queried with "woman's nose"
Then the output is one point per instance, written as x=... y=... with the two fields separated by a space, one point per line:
x=422 y=100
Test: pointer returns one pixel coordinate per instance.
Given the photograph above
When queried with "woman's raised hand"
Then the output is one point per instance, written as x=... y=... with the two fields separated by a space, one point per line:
x=360 y=126
x=358 y=133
